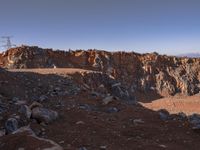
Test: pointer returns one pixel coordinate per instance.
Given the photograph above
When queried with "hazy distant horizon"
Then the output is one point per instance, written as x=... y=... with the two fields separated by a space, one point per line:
x=168 y=27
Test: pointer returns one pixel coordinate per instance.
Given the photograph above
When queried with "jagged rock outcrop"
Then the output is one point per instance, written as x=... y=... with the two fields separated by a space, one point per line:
x=165 y=75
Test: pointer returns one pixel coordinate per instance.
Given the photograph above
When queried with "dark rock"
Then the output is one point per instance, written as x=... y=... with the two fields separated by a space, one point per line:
x=11 y=125
x=112 y=110
x=43 y=98
x=108 y=100
x=26 y=111
x=3 y=107
x=88 y=107
x=82 y=148
x=182 y=115
x=15 y=99
x=44 y=115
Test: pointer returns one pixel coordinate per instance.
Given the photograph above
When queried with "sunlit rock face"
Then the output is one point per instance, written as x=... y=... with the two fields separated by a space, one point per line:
x=143 y=73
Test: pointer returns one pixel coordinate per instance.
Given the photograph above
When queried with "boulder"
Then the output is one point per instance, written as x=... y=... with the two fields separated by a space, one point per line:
x=11 y=125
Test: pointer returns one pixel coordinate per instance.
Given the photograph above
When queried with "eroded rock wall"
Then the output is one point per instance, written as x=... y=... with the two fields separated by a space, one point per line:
x=165 y=75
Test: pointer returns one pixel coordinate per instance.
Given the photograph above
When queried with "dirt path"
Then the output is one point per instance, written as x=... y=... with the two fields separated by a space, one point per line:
x=52 y=71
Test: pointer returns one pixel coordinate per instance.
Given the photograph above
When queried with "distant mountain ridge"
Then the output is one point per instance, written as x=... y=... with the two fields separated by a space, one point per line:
x=190 y=55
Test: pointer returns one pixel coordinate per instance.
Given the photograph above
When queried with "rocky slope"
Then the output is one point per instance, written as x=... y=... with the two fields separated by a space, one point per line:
x=77 y=109
x=141 y=74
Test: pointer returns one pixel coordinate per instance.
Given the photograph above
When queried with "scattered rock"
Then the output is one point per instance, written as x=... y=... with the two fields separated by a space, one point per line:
x=2 y=133
x=112 y=110
x=194 y=121
x=94 y=94
x=30 y=136
x=88 y=107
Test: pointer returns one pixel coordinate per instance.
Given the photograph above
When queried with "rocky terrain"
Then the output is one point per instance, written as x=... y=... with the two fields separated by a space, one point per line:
x=88 y=100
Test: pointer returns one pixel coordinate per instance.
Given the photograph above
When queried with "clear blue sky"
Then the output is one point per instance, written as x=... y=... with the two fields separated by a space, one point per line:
x=166 y=26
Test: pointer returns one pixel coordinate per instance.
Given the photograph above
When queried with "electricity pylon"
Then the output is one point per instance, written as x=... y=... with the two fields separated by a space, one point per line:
x=7 y=41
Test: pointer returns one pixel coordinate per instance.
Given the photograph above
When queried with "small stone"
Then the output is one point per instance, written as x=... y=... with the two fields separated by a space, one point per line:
x=44 y=115
x=112 y=110
x=103 y=147
x=196 y=127
x=138 y=121
x=20 y=102
x=15 y=99
x=80 y=122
